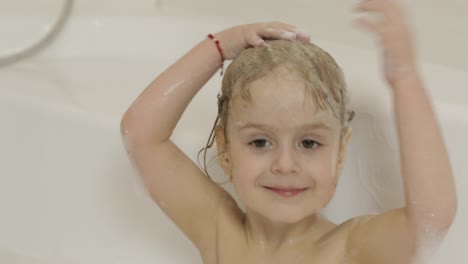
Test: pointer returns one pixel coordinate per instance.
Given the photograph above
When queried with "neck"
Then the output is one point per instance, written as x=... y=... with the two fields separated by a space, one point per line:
x=273 y=236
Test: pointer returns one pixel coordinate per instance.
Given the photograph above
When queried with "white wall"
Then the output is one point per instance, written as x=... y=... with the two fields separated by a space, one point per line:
x=116 y=48
x=440 y=26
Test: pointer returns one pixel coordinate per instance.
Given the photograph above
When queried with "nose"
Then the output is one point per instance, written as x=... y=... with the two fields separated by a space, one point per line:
x=285 y=162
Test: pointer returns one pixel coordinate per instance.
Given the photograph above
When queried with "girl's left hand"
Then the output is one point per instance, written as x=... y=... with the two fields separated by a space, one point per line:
x=394 y=35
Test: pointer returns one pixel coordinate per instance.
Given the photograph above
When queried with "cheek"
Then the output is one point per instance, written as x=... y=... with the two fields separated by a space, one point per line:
x=243 y=161
x=329 y=161
x=327 y=193
x=246 y=172
x=323 y=169
x=246 y=168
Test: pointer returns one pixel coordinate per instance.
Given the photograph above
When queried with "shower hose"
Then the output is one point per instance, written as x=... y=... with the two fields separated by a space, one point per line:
x=37 y=46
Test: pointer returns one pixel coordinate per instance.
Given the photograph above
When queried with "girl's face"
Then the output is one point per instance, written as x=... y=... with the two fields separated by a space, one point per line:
x=283 y=154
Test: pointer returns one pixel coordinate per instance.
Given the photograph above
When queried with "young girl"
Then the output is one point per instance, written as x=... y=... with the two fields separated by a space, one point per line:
x=281 y=133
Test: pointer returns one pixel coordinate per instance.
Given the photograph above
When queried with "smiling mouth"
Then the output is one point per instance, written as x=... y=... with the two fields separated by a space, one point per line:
x=286 y=192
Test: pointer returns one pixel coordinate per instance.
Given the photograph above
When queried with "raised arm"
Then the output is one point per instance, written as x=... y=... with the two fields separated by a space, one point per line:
x=179 y=187
x=429 y=186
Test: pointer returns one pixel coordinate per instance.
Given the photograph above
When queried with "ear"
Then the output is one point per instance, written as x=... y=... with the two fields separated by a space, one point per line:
x=222 y=147
x=343 y=148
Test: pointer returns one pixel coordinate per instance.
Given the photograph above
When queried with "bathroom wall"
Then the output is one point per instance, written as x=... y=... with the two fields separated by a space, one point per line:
x=117 y=47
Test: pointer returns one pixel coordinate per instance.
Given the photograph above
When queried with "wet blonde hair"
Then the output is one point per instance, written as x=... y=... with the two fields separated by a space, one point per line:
x=324 y=80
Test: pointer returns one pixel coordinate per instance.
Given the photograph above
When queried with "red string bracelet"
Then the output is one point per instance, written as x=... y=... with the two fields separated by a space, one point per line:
x=220 y=51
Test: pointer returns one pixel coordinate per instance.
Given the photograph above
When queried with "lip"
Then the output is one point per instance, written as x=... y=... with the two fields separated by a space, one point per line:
x=286 y=191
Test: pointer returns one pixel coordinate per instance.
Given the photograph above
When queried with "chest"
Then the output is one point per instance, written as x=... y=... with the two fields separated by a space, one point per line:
x=233 y=248
x=329 y=255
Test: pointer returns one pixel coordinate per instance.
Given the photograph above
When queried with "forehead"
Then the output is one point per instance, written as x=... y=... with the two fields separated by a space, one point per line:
x=279 y=99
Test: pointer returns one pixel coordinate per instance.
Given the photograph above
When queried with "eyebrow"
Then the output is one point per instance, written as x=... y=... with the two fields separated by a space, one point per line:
x=314 y=125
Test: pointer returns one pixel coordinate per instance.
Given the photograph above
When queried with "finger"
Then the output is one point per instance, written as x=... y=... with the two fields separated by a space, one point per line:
x=301 y=34
x=387 y=8
x=276 y=33
x=369 y=25
x=278 y=24
x=256 y=41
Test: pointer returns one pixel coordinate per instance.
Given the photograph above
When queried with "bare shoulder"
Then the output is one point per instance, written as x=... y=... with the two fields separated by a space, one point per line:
x=381 y=238
x=333 y=231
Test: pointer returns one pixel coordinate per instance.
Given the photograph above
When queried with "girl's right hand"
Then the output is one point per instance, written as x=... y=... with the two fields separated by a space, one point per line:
x=236 y=39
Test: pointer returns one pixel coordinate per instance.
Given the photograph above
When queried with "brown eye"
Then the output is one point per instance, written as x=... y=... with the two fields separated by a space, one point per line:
x=259 y=143
x=309 y=143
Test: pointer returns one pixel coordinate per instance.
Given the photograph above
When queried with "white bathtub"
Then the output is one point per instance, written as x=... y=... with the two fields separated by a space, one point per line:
x=68 y=193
